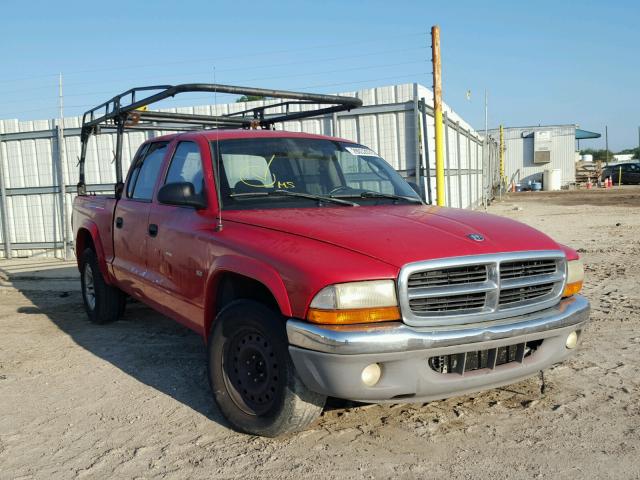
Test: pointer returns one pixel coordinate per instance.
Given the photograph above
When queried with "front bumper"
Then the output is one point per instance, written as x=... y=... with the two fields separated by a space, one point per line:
x=330 y=359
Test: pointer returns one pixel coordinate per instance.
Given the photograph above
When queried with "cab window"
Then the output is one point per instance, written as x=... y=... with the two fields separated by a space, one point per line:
x=186 y=166
x=145 y=172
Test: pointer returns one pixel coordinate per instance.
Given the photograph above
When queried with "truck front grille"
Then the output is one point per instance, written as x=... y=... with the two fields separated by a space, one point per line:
x=480 y=287
x=449 y=303
x=460 y=363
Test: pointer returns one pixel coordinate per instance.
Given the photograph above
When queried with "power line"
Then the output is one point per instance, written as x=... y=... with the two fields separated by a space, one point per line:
x=277 y=77
x=300 y=88
x=384 y=39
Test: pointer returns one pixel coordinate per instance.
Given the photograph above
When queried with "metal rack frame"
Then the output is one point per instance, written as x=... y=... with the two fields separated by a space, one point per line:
x=127 y=111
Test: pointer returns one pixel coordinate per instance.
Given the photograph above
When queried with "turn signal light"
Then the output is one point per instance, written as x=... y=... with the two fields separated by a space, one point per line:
x=575 y=277
x=572 y=289
x=358 y=315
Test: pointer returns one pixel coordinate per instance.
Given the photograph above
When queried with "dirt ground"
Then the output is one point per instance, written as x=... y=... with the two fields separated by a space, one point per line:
x=131 y=400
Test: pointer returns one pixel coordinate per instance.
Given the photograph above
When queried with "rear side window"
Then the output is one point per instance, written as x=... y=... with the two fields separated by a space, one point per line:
x=186 y=166
x=145 y=173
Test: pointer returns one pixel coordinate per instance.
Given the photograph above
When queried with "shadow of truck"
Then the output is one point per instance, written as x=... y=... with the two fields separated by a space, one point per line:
x=149 y=347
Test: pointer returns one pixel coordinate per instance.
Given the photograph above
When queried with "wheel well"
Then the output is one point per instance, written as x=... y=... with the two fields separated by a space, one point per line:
x=232 y=286
x=84 y=240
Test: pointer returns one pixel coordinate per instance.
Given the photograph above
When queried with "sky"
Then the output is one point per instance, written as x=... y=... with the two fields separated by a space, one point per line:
x=543 y=62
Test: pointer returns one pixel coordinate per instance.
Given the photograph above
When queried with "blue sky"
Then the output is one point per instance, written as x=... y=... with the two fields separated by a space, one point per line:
x=542 y=62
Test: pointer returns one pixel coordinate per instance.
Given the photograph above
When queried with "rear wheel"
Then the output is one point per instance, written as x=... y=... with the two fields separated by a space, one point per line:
x=252 y=376
x=103 y=303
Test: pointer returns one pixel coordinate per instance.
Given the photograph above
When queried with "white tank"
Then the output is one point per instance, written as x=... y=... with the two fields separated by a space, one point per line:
x=587 y=157
x=552 y=179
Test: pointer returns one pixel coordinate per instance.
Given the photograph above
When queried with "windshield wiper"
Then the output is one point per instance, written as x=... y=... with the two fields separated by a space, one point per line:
x=286 y=193
x=370 y=194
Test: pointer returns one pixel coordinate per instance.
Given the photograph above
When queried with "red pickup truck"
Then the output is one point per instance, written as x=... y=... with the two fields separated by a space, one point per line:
x=312 y=269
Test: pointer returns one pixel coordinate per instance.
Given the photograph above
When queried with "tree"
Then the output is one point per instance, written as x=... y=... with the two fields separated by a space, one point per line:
x=634 y=151
x=250 y=98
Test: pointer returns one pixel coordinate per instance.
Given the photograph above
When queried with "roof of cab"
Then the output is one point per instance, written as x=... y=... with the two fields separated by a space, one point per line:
x=240 y=133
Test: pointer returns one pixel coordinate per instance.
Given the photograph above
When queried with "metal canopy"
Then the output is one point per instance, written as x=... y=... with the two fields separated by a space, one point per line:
x=584 y=134
x=128 y=111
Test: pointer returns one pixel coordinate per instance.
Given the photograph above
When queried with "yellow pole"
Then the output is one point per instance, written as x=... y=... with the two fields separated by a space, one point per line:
x=619 y=176
x=437 y=113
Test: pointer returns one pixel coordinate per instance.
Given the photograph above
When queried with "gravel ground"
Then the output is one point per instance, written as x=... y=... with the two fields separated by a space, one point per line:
x=131 y=400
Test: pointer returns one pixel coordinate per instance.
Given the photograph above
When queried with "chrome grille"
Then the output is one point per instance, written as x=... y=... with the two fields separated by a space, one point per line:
x=526 y=268
x=448 y=276
x=513 y=295
x=476 y=288
x=449 y=303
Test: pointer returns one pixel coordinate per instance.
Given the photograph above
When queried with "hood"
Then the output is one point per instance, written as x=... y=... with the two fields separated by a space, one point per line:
x=400 y=234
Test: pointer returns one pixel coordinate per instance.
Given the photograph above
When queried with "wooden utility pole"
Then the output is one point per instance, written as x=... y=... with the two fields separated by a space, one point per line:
x=437 y=113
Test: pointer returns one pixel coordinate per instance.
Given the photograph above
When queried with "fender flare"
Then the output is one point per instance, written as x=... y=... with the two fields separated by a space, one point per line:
x=251 y=268
x=92 y=229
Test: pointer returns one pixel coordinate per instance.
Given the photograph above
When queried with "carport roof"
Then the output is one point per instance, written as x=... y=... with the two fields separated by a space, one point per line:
x=583 y=134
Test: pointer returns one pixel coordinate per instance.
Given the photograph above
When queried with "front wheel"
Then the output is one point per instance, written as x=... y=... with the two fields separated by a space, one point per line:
x=252 y=376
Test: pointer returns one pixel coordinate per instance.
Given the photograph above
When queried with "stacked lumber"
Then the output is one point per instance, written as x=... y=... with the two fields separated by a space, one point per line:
x=588 y=171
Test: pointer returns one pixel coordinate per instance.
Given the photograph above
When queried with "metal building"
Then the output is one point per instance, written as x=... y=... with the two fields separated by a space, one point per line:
x=529 y=151
x=38 y=160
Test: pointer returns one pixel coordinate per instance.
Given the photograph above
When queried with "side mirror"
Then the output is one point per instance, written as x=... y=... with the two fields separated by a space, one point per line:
x=181 y=194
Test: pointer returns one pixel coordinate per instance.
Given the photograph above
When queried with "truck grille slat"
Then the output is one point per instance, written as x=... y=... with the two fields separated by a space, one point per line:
x=526 y=268
x=442 y=304
x=452 y=276
x=483 y=287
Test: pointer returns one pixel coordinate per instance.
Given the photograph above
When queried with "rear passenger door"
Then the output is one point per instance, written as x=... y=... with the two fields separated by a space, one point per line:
x=179 y=252
x=131 y=220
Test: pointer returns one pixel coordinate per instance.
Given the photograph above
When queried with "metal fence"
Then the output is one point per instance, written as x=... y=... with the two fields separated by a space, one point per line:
x=38 y=160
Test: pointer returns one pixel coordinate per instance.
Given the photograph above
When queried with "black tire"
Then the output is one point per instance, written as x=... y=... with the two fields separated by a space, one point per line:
x=103 y=303
x=248 y=342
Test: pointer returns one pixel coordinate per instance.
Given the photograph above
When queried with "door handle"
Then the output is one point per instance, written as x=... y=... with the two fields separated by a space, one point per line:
x=119 y=222
x=153 y=229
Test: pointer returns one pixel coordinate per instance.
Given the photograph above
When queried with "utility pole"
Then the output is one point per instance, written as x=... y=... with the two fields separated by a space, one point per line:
x=486 y=114
x=64 y=230
x=437 y=113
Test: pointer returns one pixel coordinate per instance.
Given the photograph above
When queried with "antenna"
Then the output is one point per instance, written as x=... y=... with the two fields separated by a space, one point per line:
x=218 y=155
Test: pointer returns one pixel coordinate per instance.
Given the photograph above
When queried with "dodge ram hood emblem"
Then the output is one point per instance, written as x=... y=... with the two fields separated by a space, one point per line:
x=476 y=237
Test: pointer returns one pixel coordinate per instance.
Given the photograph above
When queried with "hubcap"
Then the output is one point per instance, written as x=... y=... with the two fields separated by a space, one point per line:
x=89 y=287
x=251 y=372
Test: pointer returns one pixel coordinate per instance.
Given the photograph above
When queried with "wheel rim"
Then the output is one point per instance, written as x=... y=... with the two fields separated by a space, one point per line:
x=250 y=371
x=89 y=287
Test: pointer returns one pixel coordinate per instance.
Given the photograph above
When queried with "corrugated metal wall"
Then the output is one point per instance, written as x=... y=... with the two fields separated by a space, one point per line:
x=518 y=154
x=33 y=164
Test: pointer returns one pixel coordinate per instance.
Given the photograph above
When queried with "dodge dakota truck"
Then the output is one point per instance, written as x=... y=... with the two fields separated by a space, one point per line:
x=311 y=268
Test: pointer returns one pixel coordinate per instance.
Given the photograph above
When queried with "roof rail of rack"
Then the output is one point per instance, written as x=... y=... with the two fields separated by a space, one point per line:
x=130 y=111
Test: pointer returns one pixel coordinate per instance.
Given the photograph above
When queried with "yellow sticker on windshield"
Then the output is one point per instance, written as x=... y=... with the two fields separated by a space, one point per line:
x=263 y=179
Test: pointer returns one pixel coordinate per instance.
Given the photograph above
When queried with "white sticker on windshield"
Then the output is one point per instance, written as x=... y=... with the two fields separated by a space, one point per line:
x=361 y=151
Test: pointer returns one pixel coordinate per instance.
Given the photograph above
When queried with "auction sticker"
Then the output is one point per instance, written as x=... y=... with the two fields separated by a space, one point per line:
x=361 y=151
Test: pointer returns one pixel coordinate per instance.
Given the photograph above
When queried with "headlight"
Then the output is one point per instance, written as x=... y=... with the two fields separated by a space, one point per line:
x=575 y=277
x=355 y=302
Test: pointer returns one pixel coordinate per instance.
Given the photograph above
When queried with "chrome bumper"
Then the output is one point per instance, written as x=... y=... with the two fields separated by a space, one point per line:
x=398 y=337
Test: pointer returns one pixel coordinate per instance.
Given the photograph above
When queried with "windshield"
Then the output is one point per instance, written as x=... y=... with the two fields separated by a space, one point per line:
x=303 y=172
